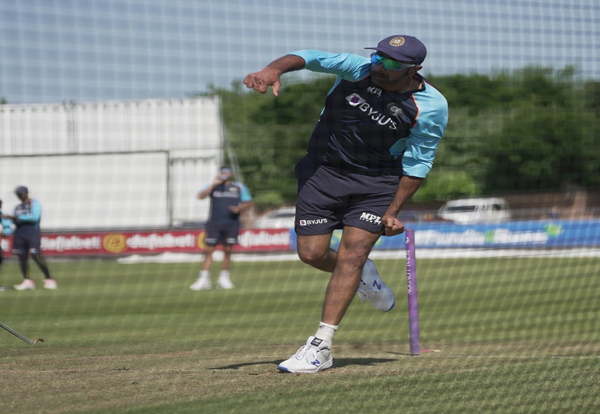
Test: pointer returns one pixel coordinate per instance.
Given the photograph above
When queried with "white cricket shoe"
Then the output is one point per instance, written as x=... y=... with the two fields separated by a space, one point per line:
x=26 y=284
x=201 y=284
x=374 y=290
x=313 y=357
x=50 y=284
x=225 y=283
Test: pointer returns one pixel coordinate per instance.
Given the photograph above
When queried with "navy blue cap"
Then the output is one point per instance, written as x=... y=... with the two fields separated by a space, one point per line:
x=21 y=190
x=402 y=48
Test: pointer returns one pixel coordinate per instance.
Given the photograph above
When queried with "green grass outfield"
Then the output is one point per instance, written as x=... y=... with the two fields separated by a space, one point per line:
x=516 y=336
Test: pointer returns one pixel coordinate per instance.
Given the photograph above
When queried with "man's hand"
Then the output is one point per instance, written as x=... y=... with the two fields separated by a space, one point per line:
x=270 y=75
x=259 y=81
x=5 y=216
x=393 y=226
x=218 y=180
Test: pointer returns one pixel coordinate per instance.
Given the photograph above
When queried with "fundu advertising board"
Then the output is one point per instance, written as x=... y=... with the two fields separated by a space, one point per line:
x=537 y=234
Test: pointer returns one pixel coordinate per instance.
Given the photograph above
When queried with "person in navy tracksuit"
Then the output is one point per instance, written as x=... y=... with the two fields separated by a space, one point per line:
x=27 y=239
x=373 y=145
x=228 y=199
x=5 y=230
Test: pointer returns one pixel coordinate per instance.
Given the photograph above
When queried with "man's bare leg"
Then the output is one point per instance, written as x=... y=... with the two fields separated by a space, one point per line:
x=315 y=251
x=203 y=282
x=224 y=281
x=355 y=246
x=227 y=249
x=208 y=257
x=346 y=266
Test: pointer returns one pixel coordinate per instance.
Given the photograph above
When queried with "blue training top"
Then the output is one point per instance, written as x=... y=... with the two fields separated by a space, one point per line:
x=28 y=217
x=6 y=229
x=371 y=131
x=224 y=196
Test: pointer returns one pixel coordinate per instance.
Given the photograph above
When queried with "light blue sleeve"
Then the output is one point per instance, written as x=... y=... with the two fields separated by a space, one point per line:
x=35 y=213
x=6 y=227
x=421 y=145
x=244 y=193
x=346 y=65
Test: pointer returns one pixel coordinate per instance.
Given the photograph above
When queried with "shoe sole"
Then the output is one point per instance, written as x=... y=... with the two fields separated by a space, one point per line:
x=326 y=365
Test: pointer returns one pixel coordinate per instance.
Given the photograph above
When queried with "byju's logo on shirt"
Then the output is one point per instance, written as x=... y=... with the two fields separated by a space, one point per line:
x=311 y=222
x=226 y=194
x=371 y=218
x=356 y=100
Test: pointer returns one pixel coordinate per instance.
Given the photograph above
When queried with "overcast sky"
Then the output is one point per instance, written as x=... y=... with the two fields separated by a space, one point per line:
x=94 y=50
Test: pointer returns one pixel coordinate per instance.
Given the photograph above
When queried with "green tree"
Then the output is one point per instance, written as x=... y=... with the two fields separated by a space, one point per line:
x=543 y=149
x=550 y=139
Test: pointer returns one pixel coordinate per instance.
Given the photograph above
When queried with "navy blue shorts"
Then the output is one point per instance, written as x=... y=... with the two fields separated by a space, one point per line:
x=26 y=244
x=222 y=232
x=329 y=199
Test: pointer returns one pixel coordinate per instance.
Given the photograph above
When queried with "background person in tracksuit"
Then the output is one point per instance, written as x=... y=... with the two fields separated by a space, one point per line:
x=5 y=230
x=228 y=200
x=27 y=239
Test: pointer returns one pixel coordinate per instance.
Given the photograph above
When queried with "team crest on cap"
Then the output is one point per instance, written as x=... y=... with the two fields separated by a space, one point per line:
x=397 y=41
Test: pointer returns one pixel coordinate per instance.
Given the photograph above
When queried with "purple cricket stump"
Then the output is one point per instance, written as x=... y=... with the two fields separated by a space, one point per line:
x=413 y=299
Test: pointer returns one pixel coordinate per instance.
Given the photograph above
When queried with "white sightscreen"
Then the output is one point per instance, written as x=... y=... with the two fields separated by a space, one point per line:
x=112 y=126
x=101 y=191
x=189 y=172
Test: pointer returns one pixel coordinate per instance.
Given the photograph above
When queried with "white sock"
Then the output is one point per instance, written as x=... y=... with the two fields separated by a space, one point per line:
x=326 y=331
x=205 y=274
x=224 y=274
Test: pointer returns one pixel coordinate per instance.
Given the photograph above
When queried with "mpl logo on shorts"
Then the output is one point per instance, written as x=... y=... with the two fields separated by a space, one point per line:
x=371 y=218
x=311 y=222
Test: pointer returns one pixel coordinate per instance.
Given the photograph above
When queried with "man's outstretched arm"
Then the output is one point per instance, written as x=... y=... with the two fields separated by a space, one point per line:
x=270 y=75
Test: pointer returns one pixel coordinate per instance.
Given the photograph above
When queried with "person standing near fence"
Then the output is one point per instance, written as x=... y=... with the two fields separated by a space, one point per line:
x=228 y=200
x=27 y=239
x=372 y=147
x=5 y=230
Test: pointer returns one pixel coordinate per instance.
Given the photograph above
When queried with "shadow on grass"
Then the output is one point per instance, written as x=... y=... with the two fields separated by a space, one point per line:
x=337 y=363
x=246 y=364
x=346 y=362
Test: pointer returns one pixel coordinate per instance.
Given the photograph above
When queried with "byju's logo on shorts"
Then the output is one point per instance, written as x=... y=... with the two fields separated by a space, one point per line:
x=311 y=222
x=371 y=218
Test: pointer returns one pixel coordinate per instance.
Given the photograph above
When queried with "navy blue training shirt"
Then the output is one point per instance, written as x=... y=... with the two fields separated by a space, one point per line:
x=28 y=217
x=224 y=196
x=368 y=130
